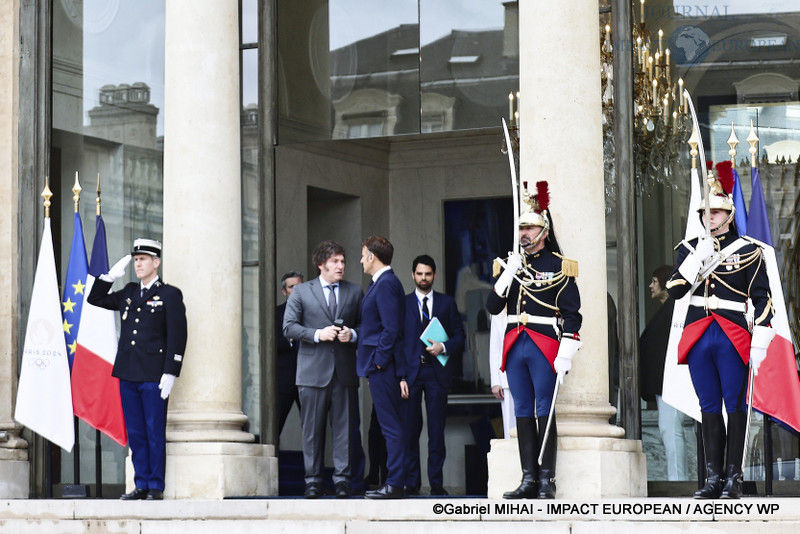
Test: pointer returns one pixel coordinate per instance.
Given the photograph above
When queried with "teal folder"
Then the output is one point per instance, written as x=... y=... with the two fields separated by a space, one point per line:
x=435 y=331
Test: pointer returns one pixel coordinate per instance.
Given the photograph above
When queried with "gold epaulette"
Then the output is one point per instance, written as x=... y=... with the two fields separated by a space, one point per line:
x=568 y=267
x=496 y=268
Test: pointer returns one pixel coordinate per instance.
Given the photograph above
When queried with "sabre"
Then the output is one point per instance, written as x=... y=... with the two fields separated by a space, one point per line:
x=749 y=413
x=514 y=192
x=702 y=154
x=549 y=422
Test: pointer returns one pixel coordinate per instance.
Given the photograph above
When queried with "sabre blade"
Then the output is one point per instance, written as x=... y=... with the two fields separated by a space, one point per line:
x=514 y=185
x=702 y=155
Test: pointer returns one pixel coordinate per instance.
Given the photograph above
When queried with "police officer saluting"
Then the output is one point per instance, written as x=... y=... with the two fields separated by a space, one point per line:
x=149 y=356
x=538 y=289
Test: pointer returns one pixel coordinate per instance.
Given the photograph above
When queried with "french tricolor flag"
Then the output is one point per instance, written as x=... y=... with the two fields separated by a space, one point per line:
x=95 y=393
x=777 y=387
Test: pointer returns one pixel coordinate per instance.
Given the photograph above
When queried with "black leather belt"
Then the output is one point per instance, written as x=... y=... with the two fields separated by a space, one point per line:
x=426 y=358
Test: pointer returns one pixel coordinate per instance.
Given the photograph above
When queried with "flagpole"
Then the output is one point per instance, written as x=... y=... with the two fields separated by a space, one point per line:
x=733 y=141
x=98 y=449
x=76 y=490
x=47 y=195
x=752 y=140
x=97 y=200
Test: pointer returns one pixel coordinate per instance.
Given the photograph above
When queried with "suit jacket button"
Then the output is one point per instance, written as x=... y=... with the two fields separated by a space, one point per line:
x=133 y=343
x=136 y=320
x=138 y=309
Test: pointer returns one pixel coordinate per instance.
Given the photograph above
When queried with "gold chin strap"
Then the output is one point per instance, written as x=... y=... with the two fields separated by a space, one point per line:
x=533 y=243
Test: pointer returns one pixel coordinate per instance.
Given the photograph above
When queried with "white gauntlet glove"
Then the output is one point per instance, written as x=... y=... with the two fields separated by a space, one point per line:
x=705 y=248
x=167 y=381
x=694 y=261
x=513 y=265
x=118 y=270
x=563 y=362
x=762 y=337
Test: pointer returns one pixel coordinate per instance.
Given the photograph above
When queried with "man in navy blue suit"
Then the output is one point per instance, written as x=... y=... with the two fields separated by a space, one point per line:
x=379 y=356
x=428 y=372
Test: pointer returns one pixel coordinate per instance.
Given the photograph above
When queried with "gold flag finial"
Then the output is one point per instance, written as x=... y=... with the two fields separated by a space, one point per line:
x=97 y=200
x=752 y=139
x=76 y=192
x=732 y=142
x=693 y=145
x=46 y=195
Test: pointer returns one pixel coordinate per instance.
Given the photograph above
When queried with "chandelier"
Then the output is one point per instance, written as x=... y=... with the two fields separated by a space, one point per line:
x=661 y=120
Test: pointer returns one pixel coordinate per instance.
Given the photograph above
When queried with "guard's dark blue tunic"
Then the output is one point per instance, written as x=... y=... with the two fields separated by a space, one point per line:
x=716 y=339
x=550 y=303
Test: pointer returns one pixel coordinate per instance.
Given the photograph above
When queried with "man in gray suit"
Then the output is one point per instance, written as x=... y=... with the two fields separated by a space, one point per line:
x=322 y=315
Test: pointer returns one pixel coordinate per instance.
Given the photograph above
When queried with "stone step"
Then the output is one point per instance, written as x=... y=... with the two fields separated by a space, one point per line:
x=356 y=515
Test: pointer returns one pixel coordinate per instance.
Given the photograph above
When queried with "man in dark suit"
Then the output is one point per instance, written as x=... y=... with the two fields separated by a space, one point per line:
x=428 y=372
x=287 y=354
x=380 y=358
x=322 y=316
x=152 y=341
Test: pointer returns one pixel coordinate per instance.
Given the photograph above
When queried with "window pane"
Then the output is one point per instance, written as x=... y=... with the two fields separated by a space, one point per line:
x=249 y=21
x=469 y=62
x=108 y=100
x=738 y=62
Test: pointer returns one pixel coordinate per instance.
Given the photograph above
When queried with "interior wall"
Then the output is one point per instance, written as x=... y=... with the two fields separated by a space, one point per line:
x=424 y=173
x=355 y=175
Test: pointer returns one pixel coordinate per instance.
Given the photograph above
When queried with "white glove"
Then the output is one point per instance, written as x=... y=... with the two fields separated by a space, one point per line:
x=563 y=362
x=118 y=270
x=693 y=263
x=562 y=366
x=762 y=337
x=513 y=265
x=757 y=355
x=704 y=249
x=167 y=381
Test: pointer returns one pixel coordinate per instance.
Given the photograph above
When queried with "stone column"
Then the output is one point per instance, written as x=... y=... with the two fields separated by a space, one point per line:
x=561 y=142
x=14 y=468
x=208 y=454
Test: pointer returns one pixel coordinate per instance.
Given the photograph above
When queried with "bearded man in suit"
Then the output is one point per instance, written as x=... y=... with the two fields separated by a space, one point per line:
x=428 y=372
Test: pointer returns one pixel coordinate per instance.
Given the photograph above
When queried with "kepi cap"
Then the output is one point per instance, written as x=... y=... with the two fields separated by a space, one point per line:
x=146 y=246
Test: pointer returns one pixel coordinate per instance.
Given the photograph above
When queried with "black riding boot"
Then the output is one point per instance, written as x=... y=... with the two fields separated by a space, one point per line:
x=713 y=428
x=547 y=471
x=528 y=447
x=737 y=423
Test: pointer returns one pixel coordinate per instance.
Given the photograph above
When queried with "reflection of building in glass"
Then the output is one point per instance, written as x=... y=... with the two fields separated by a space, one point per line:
x=387 y=85
x=121 y=136
x=125 y=115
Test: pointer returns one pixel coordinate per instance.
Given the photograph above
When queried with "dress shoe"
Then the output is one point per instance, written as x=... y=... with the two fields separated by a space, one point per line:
x=410 y=491
x=386 y=492
x=136 y=495
x=342 y=490
x=155 y=495
x=313 y=491
x=438 y=490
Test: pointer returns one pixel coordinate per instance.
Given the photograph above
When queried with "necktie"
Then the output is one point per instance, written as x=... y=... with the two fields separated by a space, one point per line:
x=426 y=316
x=141 y=292
x=332 y=300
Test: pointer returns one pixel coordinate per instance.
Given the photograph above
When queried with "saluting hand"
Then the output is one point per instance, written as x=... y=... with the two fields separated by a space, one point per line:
x=118 y=270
